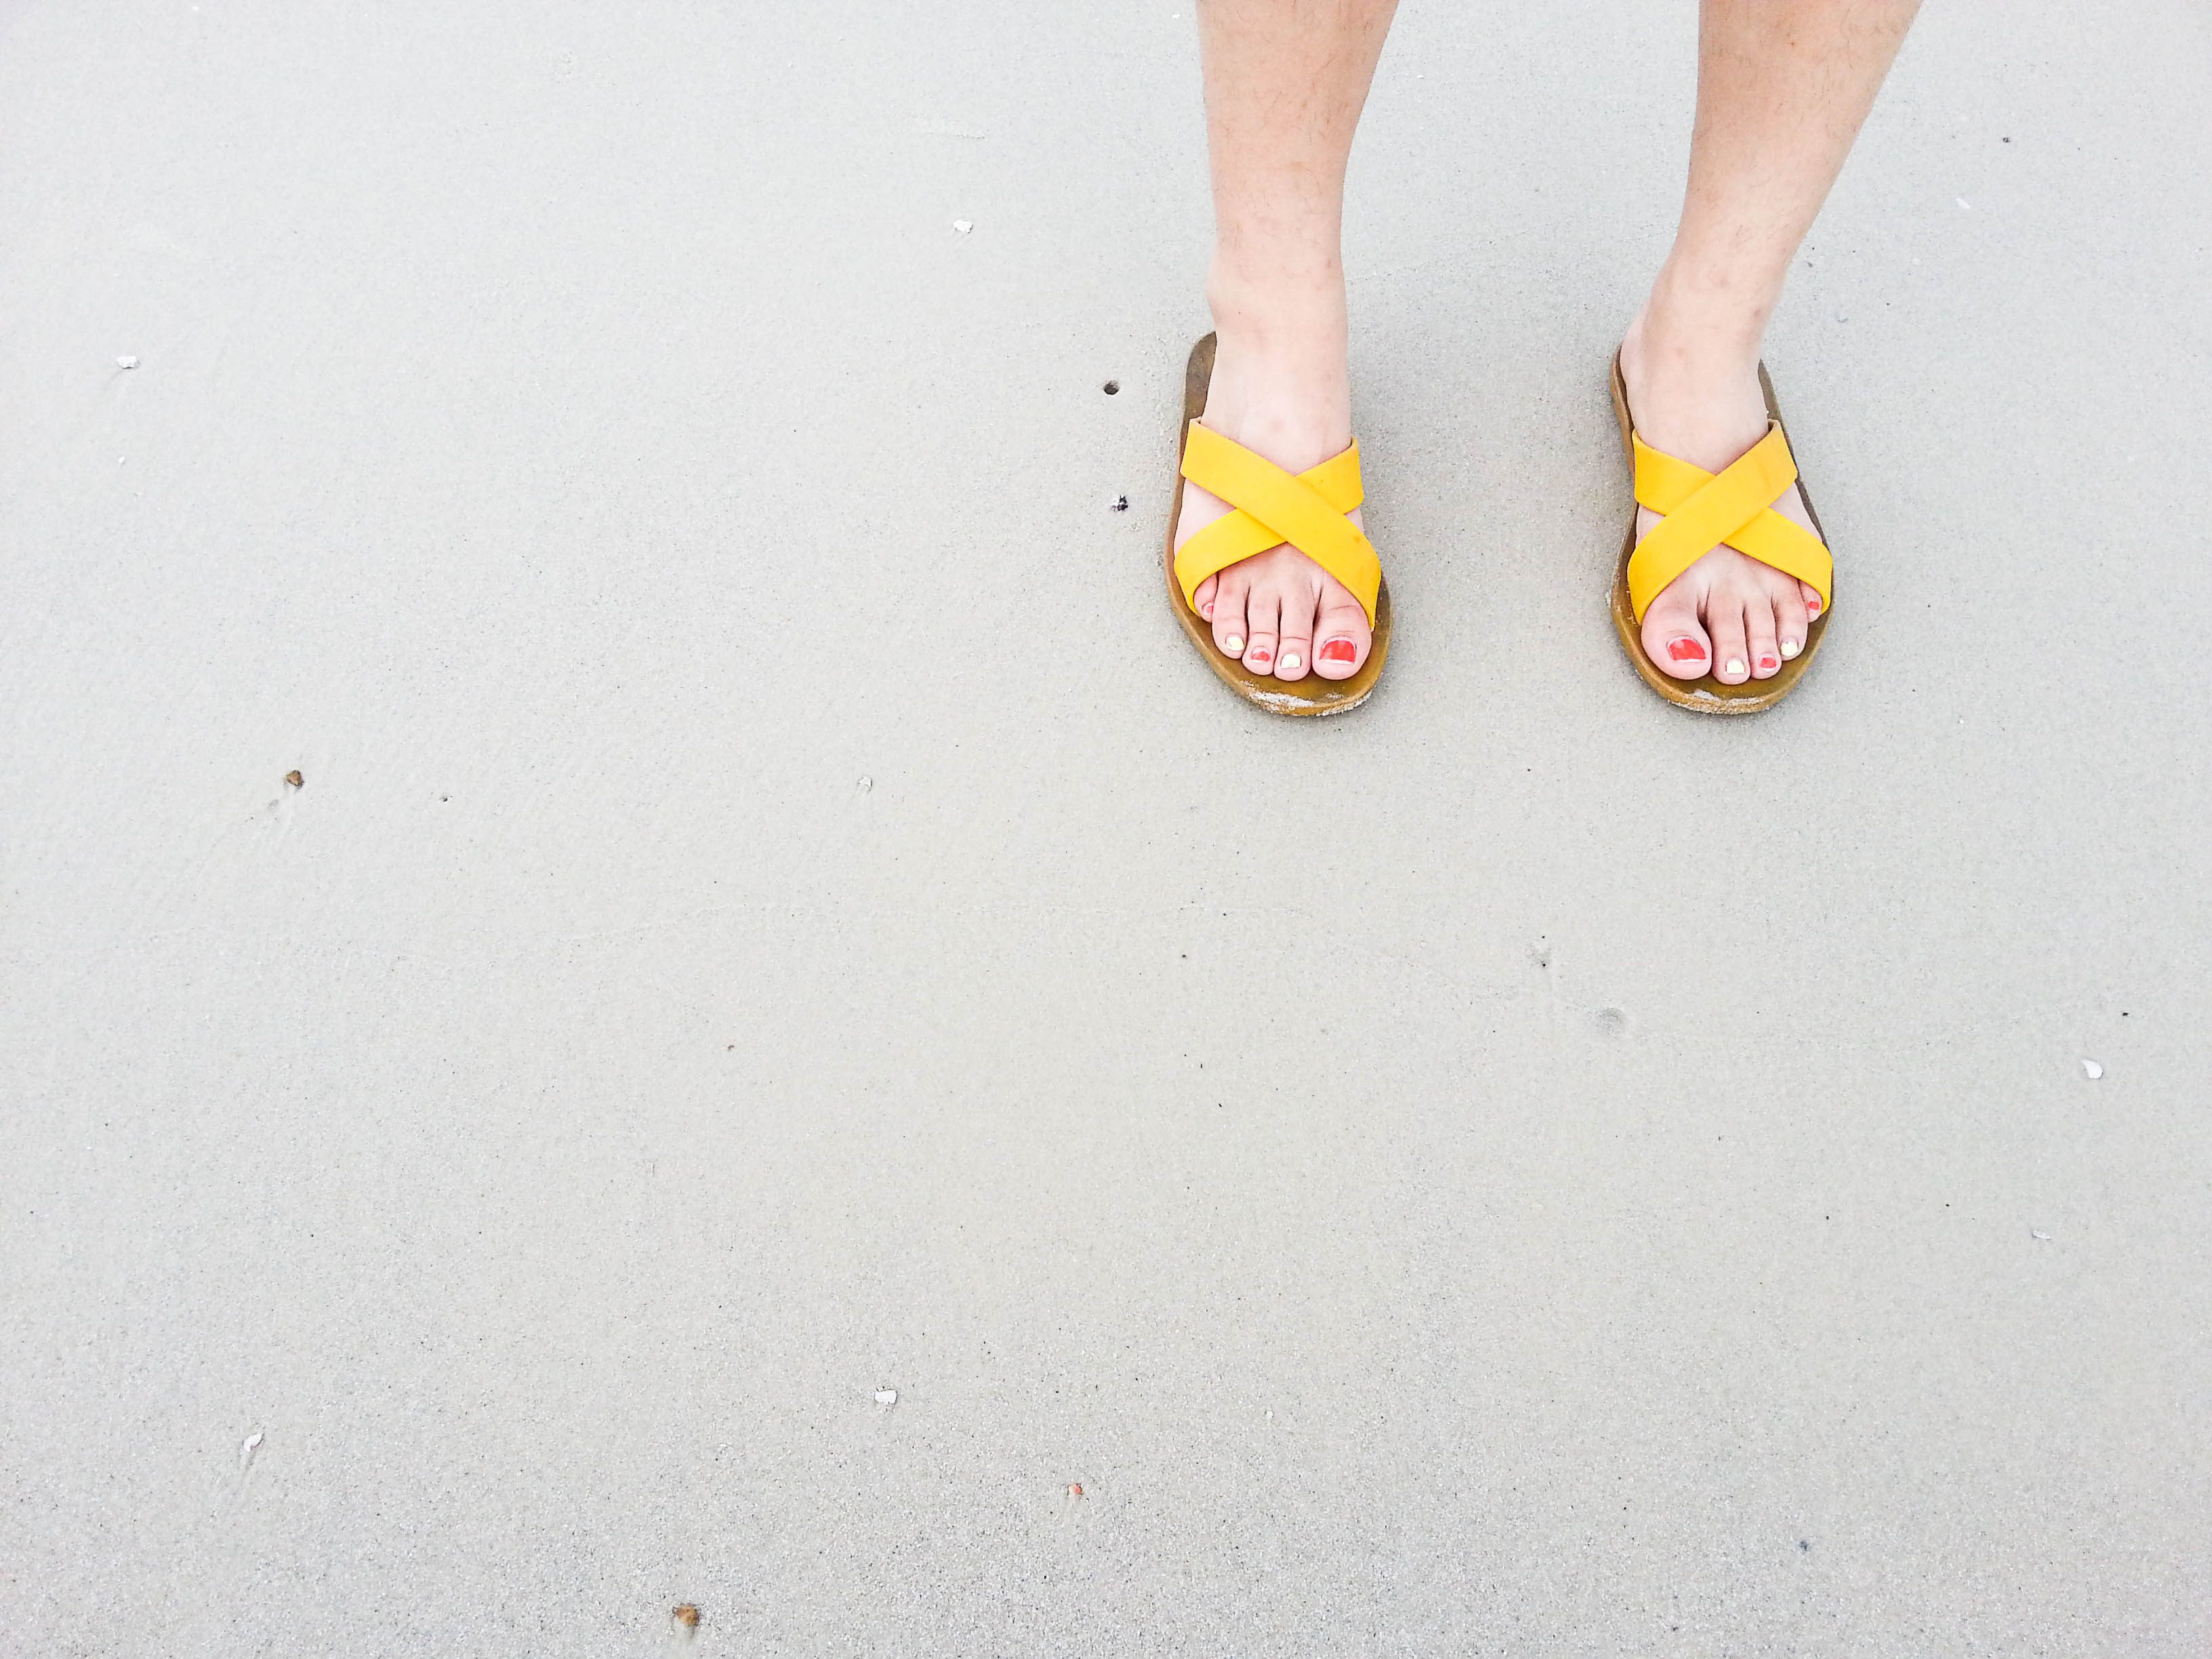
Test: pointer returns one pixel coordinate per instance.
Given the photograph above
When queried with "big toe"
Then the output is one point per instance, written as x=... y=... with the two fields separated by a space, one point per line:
x=1342 y=636
x=1673 y=637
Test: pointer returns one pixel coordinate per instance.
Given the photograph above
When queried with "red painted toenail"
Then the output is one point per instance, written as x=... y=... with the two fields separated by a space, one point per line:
x=1685 y=651
x=1769 y=662
x=1260 y=659
x=1339 y=651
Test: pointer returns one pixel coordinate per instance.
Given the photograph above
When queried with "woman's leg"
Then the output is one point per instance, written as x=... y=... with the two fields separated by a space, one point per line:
x=1285 y=83
x=1783 y=87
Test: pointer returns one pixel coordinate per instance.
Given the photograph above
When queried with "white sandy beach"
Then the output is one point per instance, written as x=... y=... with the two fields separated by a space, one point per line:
x=775 y=910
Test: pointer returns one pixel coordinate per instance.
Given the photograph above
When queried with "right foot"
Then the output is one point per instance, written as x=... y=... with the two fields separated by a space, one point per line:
x=1280 y=388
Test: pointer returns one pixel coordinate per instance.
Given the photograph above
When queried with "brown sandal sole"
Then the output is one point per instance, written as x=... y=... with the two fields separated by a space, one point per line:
x=1310 y=695
x=1707 y=695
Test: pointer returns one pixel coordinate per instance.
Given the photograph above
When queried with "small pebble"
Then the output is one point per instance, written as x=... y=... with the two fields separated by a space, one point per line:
x=126 y=363
x=1121 y=503
x=963 y=226
x=296 y=779
x=865 y=784
x=687 y=1615
x=887 y=1396
x=2090 y=1069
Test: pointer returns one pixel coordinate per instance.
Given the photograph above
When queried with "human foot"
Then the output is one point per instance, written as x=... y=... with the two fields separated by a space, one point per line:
x=1279 y=388
x=1694 y=389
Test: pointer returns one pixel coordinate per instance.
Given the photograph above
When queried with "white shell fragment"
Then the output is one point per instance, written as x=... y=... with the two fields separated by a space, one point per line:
x=2090 y=1069
x=2038 y=1232
x=963 y=226
x=126 y=363
x=887 y=1396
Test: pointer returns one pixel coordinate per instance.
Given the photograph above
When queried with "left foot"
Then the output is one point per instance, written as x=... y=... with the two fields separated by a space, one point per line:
x=1694 y=392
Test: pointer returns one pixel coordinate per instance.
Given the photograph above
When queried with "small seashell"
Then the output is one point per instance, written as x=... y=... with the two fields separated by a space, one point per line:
x=963 y=226
x=887 y=1396
x=2090 y=1069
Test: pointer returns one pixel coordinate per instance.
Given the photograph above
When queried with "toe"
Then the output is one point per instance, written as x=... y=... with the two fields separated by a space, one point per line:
x=1790 y=620
x=1263 y=612
x=1294 y=650
x=1731 y=649
x=1202 y=601
x=1342 y=636
x=1759 y=635
x=1671 y=637
x=1232 y=588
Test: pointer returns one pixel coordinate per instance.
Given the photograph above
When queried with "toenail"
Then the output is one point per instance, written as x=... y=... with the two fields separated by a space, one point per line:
x=1812 y=607
x=1206 y=610
x=1233 y=645
x=1261 y=658
x=1769 y=662
x=1686 y=650
x=1290 y=662
x=1339 y=651
x=1791 y=648
x=1735 y=666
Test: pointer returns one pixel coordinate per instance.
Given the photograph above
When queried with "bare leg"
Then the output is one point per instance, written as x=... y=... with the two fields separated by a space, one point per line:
x=1286 y=81
x=1782 y=89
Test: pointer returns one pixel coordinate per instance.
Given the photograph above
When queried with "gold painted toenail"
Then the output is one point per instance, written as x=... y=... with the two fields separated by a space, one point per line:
x=1290 y=662
x=1233 y=645
x=1735 y=666
x=1791 y=648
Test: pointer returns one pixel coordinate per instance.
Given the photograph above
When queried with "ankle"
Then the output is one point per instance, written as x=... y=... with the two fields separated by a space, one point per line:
x=1278 y=311
x=1281 y=383
x=1698 y=329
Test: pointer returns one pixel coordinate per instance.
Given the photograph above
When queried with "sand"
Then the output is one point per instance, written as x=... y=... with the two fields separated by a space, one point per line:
x=773 y=911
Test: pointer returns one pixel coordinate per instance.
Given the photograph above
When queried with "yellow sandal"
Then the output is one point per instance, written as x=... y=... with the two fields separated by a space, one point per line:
x=1272 y=508
x=1699 y=511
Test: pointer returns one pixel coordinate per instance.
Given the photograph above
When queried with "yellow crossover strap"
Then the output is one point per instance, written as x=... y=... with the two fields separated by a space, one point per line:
x=1701 y=511
x=1273 y=508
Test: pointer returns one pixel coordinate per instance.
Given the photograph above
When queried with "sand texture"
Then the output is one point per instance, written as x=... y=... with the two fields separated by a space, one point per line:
x=773 y=910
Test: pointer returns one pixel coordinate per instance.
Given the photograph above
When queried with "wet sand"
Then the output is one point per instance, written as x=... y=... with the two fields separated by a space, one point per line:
x=772 y=910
